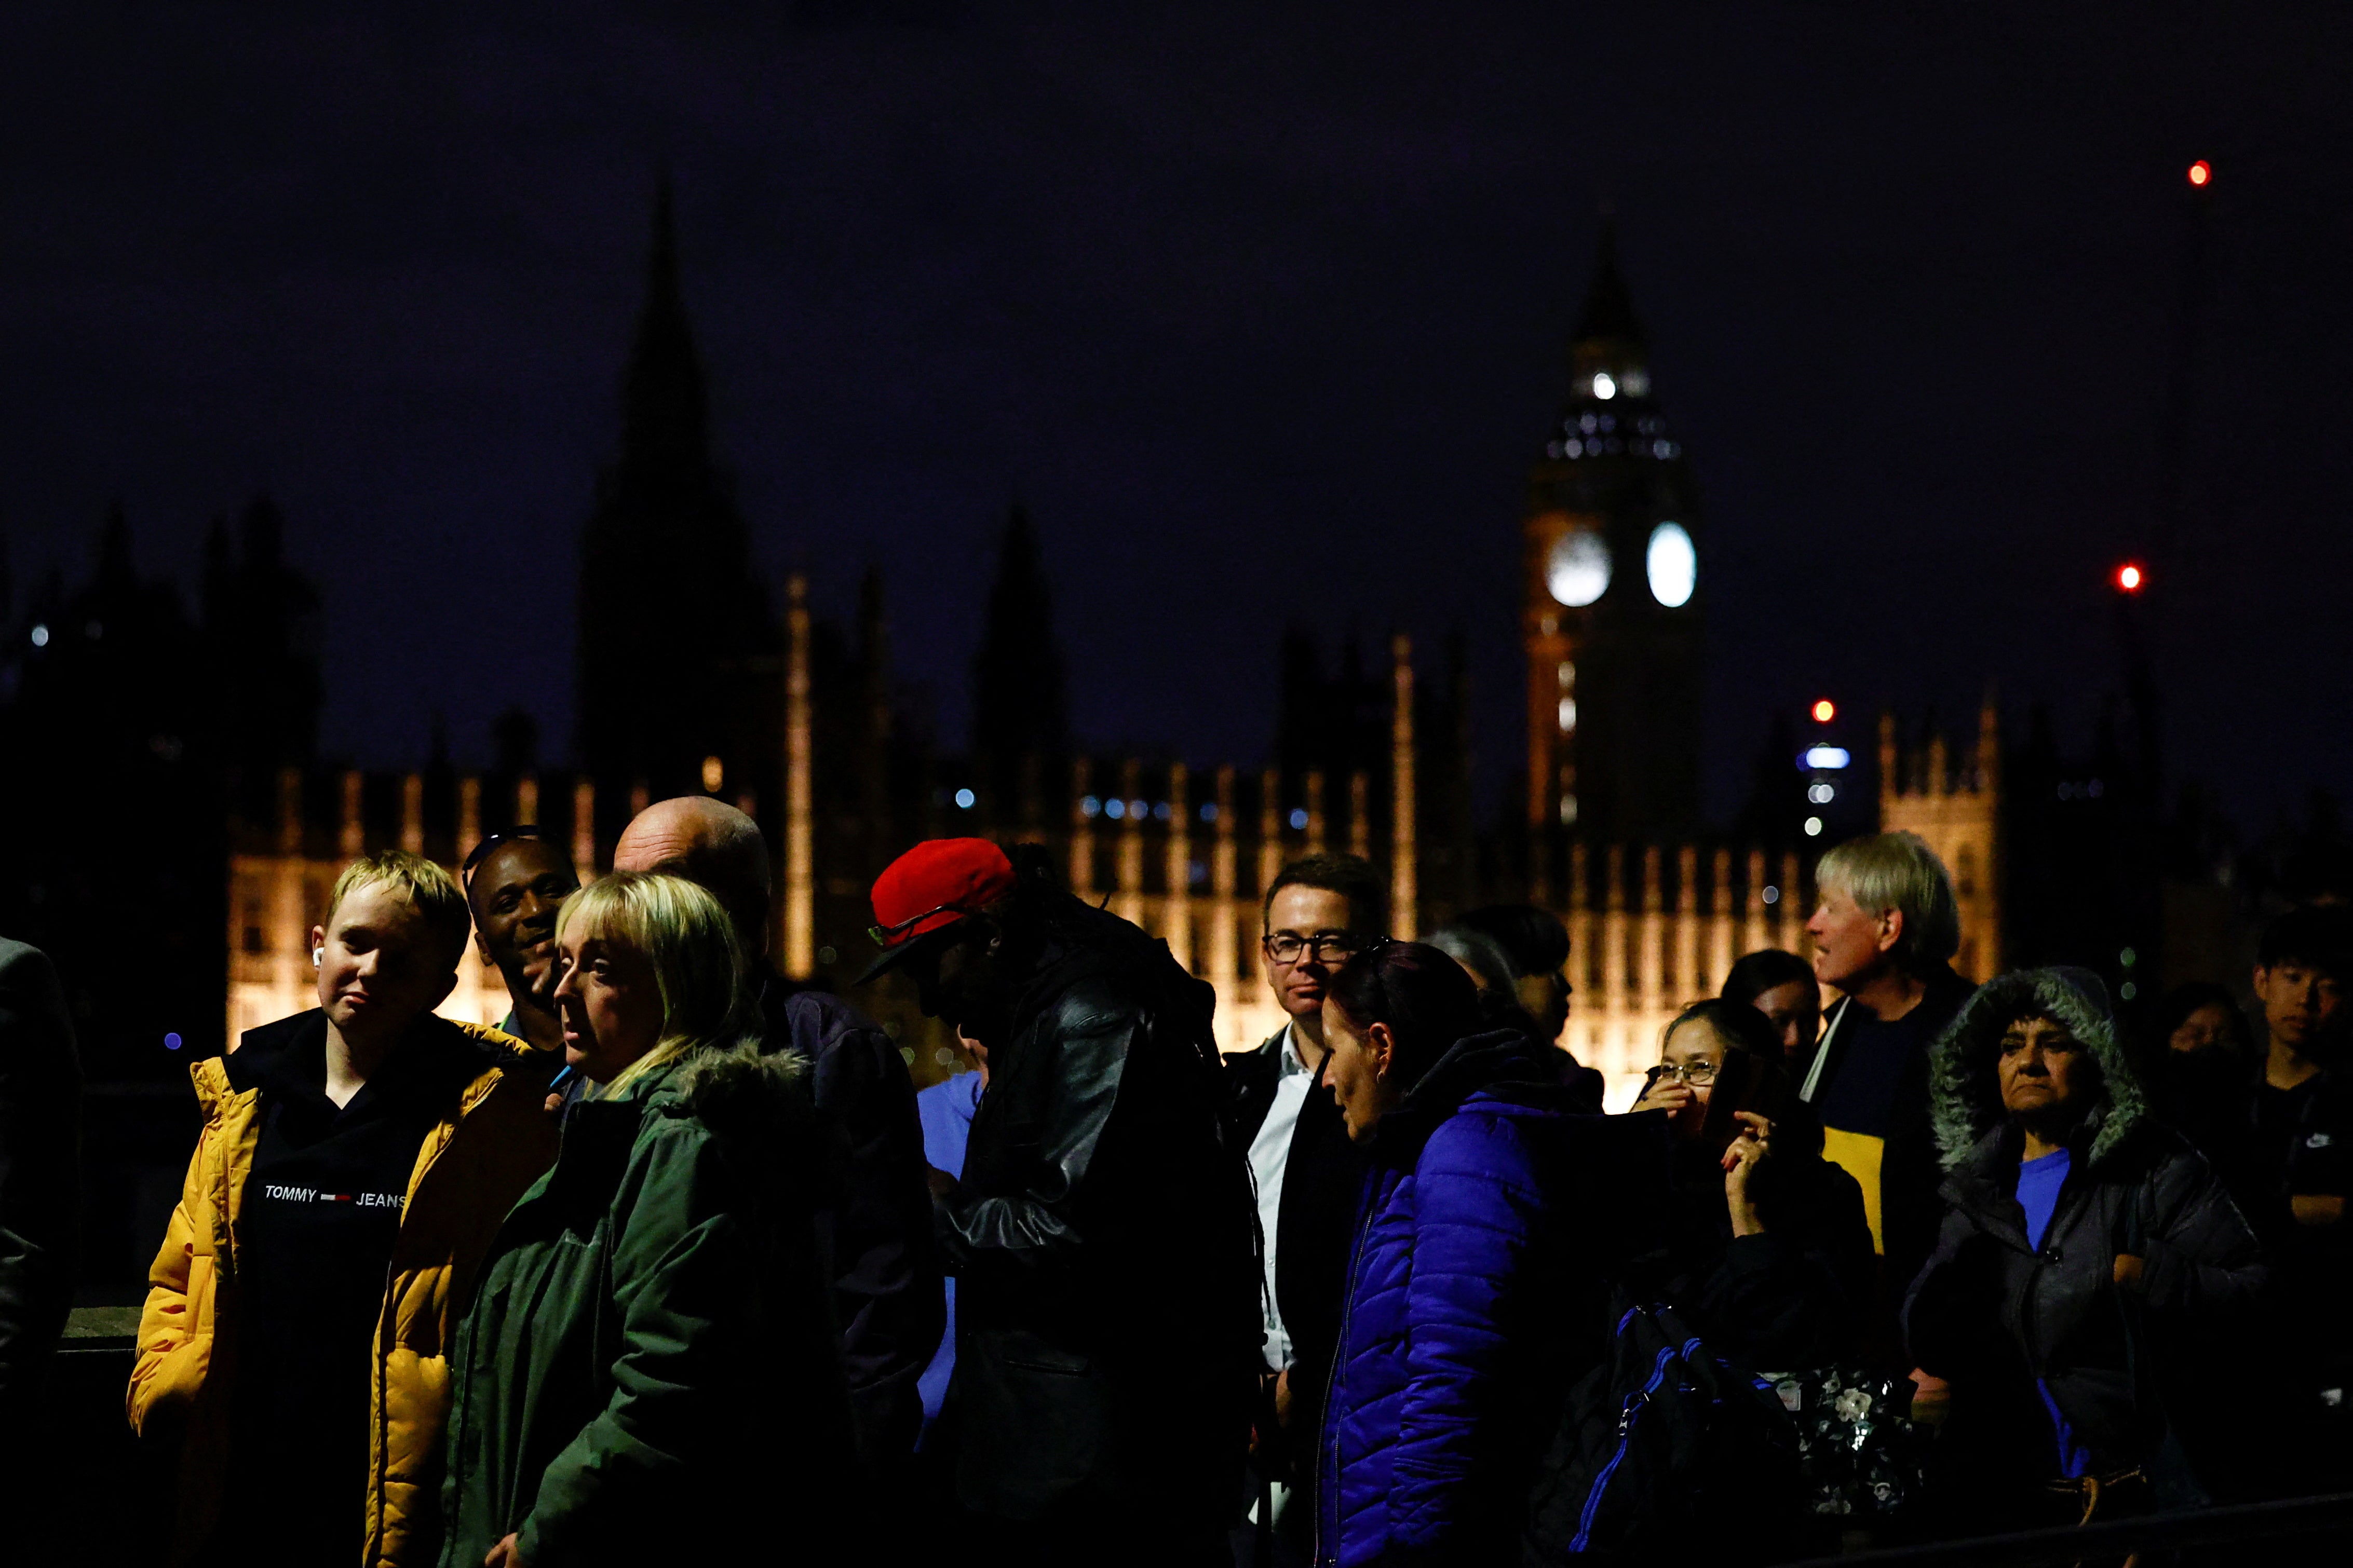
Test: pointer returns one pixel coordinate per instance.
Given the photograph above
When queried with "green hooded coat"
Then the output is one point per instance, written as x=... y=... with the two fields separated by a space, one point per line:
x=648 y=1366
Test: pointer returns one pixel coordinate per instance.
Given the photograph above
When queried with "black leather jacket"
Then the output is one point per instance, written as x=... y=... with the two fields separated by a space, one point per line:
x=1107 y=1323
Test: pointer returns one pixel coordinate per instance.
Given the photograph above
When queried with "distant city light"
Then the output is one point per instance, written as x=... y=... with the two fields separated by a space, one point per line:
x=1821 y=793
x=1604 y=386
x=1298 y=817
x=1813 y=827
x=1771 y=895
x=1209 y=811
x=1115 y=808
x=1160 y=811
x=40 y=635
x=2200 y=172
x=714 y=773
x=1825 y=759
x=1825 y=710
x=1091 y=807
x=964 y=797
x=2129 y=577
x=172 y=1042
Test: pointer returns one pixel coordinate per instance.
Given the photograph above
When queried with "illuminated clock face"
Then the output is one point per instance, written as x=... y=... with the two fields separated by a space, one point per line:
x=1578 y=572
x=1673 y=564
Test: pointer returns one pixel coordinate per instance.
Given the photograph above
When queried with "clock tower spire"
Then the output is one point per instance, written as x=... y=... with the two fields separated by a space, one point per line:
x=1611 y=598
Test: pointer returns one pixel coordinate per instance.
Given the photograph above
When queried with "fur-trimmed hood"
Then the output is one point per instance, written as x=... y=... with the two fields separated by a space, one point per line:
x=736 y=1088
x=1963 y=1094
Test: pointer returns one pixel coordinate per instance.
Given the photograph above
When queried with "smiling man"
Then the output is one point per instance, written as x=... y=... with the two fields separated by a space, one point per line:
x=516 y=883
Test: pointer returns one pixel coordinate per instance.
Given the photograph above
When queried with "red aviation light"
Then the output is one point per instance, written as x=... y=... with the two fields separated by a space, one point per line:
x=2200 y=172
x=2129 y=578
x=1825 y=710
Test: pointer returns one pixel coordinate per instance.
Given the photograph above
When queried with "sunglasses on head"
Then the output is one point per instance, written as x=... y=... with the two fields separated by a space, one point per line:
x=887 y=936
x=482 y=851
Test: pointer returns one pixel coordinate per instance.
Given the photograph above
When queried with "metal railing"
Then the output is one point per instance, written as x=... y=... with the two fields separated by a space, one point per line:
x=2239 y=1524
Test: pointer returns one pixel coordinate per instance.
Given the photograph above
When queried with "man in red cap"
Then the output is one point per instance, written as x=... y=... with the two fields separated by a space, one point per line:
x=1103 y=1240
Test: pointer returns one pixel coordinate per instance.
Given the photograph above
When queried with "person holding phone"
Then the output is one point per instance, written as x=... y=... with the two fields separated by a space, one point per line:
x=1771 y=1252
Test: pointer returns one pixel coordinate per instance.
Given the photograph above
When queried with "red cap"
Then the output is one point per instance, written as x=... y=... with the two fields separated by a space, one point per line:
x=931 y=887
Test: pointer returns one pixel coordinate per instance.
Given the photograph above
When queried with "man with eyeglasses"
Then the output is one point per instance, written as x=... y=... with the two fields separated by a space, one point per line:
x=1319 y=912
x=516 y=883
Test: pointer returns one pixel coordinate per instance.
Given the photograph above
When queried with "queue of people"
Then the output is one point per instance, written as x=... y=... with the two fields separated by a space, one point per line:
x=665 y=1263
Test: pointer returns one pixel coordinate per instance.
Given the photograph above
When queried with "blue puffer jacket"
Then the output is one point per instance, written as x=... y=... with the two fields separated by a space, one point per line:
x=1468 y=1312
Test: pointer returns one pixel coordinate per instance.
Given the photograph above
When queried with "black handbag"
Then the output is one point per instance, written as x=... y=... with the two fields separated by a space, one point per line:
x=1859 y=1450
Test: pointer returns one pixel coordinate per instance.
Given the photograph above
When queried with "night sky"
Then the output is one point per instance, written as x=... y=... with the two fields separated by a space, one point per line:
x=1260 y=308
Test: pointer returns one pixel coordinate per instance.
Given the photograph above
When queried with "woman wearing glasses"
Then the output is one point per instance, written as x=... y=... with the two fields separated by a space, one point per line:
x=1771 y=1254
x=649 y=1372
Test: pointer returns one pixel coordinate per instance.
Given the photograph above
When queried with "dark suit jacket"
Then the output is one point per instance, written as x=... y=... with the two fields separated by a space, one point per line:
x=875 y=1217
x=40 y=1169
x=1323 y=1184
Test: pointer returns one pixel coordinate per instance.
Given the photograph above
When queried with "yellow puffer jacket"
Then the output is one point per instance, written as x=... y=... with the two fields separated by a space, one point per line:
x=489 y=1146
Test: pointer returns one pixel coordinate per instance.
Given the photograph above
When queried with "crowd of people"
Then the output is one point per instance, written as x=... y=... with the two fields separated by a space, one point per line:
x=675 y=1260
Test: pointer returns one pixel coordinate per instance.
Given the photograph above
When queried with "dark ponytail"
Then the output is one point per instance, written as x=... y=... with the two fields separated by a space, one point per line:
x=1421 y=994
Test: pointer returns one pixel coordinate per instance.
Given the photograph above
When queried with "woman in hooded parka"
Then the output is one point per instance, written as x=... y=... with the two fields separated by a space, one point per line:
x=2088 y=1259
x=648 y=1374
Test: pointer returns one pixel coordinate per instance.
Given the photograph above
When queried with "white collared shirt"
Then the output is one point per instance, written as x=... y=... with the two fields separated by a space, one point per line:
x=1269 y=1151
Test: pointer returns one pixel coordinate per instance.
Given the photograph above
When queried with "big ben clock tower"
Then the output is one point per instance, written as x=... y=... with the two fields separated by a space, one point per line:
x=1612 y=599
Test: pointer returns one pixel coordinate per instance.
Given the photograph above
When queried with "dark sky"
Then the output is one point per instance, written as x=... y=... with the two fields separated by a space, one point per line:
x=1259 y=307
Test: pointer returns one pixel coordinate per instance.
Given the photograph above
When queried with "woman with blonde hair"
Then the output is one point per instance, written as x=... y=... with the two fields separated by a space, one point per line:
x=649 y=1368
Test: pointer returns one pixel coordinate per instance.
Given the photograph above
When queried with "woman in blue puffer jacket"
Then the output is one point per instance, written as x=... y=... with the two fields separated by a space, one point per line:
x=1470 y=1287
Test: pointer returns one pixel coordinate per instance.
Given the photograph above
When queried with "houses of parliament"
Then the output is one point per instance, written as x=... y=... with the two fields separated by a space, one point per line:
x=701 y=679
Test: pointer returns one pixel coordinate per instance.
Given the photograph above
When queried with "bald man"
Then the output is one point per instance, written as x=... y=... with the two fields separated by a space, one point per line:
x=886 y=1275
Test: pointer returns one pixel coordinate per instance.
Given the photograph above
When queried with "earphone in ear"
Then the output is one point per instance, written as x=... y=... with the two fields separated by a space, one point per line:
x=318 y=956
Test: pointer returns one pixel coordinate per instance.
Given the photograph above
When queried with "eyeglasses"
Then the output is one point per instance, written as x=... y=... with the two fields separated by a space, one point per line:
x=1698 y=1074
x=482 y=851
x=885 y=936
x=1288 y=948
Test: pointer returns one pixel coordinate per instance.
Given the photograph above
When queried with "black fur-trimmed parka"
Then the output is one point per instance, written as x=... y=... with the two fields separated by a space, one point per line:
x=1992 y=1316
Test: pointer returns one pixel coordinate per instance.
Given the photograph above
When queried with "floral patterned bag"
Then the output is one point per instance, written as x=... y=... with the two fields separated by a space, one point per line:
x=1858 y=1449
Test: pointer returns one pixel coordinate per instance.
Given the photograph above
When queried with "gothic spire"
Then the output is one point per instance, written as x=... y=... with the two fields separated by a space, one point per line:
x=665 y=407
x=673 y=614
x=1609 y=304
x=1020 y=726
